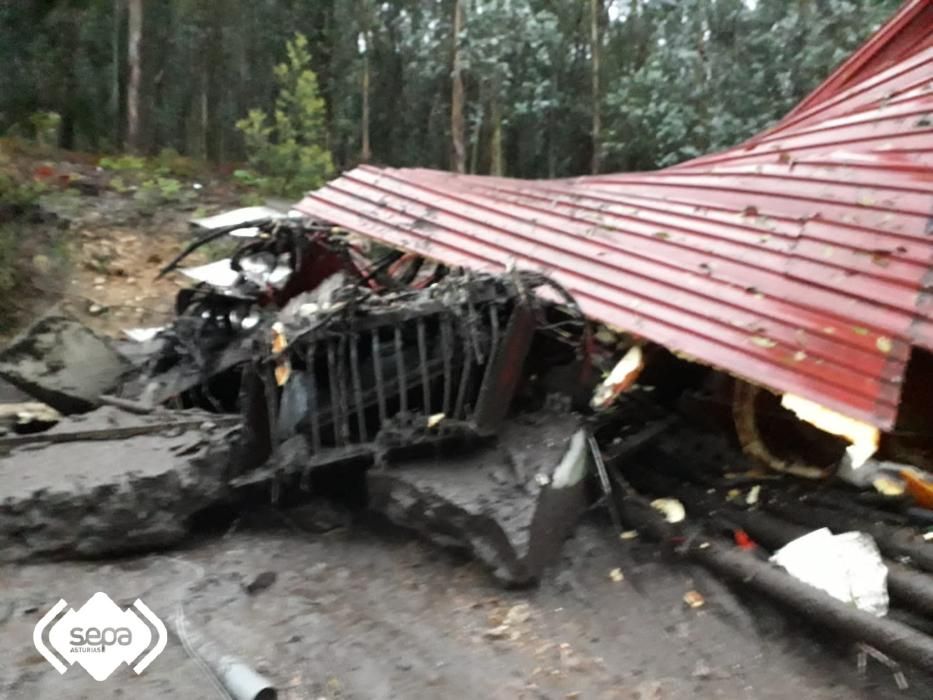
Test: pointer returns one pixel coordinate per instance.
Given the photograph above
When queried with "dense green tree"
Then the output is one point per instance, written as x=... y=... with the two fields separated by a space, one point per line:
x=549 y=87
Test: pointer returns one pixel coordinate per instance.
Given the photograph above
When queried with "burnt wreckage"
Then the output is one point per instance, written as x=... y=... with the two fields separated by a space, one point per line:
x=371 y=373
x=349 y=370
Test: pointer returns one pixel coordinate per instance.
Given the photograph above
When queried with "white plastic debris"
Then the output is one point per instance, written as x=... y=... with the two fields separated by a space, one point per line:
x=217 y=274
x=847 y=566
x=142 y=335
x=672 y=509
x=243 y=215
x=257 y=270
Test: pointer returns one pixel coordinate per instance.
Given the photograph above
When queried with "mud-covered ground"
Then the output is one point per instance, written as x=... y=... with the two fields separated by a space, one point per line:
x=365 y=611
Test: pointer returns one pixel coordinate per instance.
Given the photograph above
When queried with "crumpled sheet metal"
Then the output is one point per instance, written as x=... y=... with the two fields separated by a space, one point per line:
x=801 y=261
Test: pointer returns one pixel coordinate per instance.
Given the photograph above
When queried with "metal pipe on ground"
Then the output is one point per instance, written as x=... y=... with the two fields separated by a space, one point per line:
x=895 y=639
x=889 y=540
x=236 y=678
x=911 y=589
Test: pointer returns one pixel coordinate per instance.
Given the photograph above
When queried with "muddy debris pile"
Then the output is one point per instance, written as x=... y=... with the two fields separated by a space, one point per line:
x=483 y=411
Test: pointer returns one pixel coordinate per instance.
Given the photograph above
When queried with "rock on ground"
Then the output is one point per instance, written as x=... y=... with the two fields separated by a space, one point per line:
x=62 y=363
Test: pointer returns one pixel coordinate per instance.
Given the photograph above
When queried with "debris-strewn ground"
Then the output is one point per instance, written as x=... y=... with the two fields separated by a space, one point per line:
x=330 y=604
x=95 y=249
x=363 y=612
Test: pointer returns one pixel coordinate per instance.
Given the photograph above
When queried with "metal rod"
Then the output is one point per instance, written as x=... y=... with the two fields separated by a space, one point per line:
x=494 y=326
x=473 y=327
x=238 y=679
x=343 y=388
x=423 y=357
x=358 y=387
x=400 y=368
x=380 y=381
x=604 y=481
x=313 y=407
x=334 y=391
x=465 y=374
x=446 y=352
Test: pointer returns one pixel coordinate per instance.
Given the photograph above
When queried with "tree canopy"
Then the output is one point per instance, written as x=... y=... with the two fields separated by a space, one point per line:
x=665 y=79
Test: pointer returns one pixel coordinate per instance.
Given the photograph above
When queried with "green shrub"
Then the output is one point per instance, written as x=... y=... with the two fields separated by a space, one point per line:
x=15 y=195
x=170 y=163
x=288 y=147
x=123 y=163
x=160 y=191
x=45 y=127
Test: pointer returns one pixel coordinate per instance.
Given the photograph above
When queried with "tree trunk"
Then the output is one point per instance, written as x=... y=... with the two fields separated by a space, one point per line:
x=457 y=124
x=366 y=149
x=477 y=138
x=495 y=141
x=596 y=11
x=134 y=58
x=115 y=76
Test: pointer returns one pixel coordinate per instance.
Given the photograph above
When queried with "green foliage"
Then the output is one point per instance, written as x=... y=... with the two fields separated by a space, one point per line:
x=170 y=163
x=679 y=77
x=124 y=163
x=155 y=180
x=288 y=145
x=721 y=71
x=45 y=127
x=16 y=195
x=161 y=191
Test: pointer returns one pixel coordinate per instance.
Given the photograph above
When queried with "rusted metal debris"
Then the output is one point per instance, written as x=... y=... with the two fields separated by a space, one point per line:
x=336 y=358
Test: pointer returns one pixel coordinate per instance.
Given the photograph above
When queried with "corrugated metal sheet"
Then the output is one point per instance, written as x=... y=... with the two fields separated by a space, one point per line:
x=801 y=260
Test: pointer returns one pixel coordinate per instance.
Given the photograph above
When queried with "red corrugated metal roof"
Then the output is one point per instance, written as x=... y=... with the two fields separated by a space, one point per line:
x=801 y=260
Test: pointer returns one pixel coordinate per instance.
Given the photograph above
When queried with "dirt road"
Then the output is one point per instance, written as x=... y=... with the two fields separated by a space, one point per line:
x=366 y=612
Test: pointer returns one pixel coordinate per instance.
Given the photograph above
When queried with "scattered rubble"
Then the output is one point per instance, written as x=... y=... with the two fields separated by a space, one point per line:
x=481 y=411
x=63 y=364
x=108 y=483
x=512 y=506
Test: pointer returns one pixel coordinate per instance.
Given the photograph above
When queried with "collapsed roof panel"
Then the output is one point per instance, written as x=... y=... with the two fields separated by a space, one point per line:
x=801 y=260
